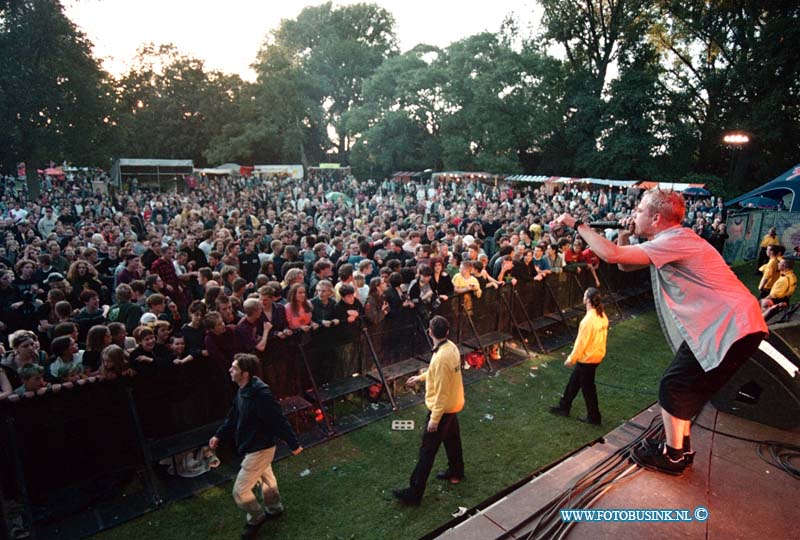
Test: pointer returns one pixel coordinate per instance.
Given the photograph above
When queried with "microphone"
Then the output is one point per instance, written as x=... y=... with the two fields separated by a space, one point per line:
x=606 y=225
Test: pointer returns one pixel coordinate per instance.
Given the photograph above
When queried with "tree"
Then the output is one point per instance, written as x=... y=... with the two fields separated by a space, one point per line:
x=733 y=65
x=503 y=103
x=54 y=97
x=640 y=138
x=481 y=104
x=338 y=49
x=398 y=125
x=279 y=119
x=593 y=34
x=310 y=76
x=169 y=106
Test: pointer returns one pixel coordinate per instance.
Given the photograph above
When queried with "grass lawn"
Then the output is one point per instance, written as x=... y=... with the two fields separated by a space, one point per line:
x=507 y=434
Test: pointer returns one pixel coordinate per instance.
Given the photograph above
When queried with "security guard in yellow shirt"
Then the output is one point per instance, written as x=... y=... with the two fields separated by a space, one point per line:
x=444 y=397
x=784 y=287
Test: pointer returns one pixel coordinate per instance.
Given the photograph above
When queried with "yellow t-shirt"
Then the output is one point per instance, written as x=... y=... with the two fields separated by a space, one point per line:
x=770 y=274
x=590 y=345
x=460 y=282
x=784 y=286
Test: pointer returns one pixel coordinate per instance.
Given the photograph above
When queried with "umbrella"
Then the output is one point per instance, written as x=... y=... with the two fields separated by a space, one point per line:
x=696 y=192
x=759 y=202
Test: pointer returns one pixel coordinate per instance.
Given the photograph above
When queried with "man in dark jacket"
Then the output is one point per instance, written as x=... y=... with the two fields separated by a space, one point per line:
x=255 y=421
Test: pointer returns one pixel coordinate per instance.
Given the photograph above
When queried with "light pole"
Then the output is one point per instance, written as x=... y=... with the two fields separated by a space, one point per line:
x=735 y=140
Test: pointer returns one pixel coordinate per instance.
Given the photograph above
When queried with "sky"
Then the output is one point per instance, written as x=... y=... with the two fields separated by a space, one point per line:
x=227 y=34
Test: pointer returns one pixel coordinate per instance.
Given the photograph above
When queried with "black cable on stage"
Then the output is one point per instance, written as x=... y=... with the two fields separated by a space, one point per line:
x=584 y=491
x=781 y=454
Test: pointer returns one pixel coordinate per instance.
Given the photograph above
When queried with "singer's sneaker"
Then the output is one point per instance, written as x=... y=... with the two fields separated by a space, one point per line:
x=655 y=442
x=658 y=460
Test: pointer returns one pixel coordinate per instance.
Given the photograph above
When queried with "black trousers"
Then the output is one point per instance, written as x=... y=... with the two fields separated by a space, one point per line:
x=582 y=379
x=448 y=433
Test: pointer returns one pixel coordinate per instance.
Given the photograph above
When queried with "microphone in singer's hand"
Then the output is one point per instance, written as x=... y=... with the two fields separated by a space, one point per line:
x=606 y=225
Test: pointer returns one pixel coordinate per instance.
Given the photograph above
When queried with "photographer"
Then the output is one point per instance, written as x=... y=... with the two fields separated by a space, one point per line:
x=396 y=297
x=422 y=294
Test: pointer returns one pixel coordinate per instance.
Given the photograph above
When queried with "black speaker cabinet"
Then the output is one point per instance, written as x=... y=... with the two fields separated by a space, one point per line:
x=767 y=388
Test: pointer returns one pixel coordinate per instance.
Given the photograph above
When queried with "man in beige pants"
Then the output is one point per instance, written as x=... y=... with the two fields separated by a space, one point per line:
x=255 y=422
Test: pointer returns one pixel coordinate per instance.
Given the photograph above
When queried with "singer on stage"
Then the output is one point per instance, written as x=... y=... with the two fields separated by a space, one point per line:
x=711 y=320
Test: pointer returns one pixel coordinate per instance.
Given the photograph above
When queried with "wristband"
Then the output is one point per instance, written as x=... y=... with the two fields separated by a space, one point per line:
x=578 y=223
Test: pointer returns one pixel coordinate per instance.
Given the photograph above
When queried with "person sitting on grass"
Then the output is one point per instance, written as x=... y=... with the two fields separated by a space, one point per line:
x=784 y=287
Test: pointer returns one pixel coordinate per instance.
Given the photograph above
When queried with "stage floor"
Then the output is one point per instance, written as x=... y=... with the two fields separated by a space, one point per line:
x=746 y=497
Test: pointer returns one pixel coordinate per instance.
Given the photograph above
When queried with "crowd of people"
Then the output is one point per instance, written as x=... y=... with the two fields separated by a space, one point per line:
x=95 y=286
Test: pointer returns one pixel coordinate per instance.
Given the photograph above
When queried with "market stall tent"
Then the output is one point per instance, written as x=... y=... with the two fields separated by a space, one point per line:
x=540 y=179
x=150 y=173
x=284 y=171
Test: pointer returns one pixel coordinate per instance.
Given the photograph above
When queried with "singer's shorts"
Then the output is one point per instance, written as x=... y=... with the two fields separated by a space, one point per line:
x=685 y=387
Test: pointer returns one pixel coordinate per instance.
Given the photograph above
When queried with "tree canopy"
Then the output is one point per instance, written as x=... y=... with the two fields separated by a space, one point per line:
x=605 y=88
x=55 y=100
